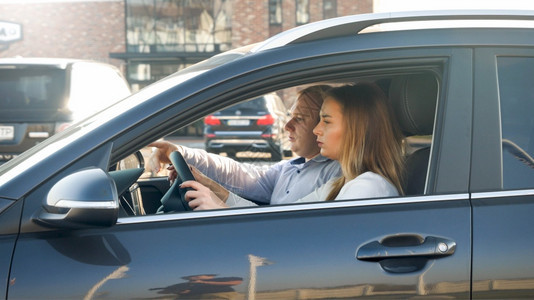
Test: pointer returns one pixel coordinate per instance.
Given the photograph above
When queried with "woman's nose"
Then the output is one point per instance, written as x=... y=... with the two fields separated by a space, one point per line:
x=317 y=129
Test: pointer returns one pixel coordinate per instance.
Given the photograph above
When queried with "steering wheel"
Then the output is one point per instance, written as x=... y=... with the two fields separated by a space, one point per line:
x=174 y=198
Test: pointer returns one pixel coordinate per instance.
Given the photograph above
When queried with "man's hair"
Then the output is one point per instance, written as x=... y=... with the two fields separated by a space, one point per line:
x=314 y=96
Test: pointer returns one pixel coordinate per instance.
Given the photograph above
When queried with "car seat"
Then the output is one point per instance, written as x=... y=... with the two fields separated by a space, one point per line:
x=413 y=99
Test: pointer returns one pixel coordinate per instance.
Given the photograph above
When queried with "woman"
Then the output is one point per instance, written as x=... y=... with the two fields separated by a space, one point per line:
x=358 y=130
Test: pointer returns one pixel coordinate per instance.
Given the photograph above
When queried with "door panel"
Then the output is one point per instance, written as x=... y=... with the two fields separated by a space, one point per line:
x=503 y=231
x=273 y=254
x=10 y=218
x=502 y=180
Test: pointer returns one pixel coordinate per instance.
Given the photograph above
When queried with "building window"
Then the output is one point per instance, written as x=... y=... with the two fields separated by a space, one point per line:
x=302 y=11
x=156 y=26
x=329 y=9
x=275 y=12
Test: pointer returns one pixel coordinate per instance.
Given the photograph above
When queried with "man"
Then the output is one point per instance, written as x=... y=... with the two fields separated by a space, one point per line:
x=281 y=183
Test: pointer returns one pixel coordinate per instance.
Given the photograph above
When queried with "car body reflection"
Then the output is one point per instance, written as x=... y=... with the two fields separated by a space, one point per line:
x=198 y=286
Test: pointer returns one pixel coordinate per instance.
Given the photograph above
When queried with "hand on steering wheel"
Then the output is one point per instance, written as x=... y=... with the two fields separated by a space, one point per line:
x=200 y=197
x=174 y=198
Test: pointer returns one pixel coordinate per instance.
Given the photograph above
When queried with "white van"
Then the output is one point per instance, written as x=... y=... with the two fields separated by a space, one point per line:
x=42 y=96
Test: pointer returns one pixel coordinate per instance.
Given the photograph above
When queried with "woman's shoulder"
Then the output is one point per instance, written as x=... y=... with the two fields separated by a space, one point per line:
x=367 y=185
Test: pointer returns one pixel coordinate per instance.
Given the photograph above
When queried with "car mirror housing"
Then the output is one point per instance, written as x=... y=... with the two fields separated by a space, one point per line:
x=86 y=198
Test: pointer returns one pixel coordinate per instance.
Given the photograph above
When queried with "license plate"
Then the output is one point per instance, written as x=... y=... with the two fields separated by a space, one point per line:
x=238 y=122
x=7 y=133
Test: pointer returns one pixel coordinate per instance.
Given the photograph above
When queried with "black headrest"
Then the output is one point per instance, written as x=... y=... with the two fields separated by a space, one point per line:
x=413 y=99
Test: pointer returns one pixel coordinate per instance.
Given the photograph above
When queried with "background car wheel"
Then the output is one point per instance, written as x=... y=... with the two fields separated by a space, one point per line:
x=210 y=150
x=288 y=153
x=277 y=155
x=231 y=154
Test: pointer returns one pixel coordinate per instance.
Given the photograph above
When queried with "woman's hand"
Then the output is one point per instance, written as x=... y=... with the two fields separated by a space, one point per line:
x=201 y=197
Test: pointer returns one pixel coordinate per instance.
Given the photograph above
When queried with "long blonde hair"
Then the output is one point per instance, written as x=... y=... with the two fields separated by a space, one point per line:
x=373 y=140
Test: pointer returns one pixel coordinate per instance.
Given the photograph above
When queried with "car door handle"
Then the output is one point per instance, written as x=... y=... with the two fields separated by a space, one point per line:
x=430 y=247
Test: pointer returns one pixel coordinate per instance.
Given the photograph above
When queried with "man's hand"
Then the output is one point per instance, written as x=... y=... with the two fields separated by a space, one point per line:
x=160 y=155
x=215 y=187
x=201 y=197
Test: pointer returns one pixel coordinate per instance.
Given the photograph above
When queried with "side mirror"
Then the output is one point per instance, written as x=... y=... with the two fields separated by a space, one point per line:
x=83 y=199
x=132 y=161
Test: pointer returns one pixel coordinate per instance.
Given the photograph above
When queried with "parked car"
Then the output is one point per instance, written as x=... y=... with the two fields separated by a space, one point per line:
x=42 y=96
x=256 y=126
x=464 y=229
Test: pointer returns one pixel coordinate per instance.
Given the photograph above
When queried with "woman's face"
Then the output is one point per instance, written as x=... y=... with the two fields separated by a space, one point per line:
x=330 y=129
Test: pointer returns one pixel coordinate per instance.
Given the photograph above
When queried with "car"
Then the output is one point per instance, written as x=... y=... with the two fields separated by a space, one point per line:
x=252 y=126
x=79 y=212
x=42 y=96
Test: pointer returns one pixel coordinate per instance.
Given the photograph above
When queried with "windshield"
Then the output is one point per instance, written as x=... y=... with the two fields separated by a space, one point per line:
x=253 y=106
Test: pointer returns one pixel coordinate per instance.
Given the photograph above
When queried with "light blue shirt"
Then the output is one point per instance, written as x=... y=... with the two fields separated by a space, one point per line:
x=283 y=182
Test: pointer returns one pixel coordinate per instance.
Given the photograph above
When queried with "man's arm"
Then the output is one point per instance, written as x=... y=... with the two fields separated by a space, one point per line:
x=247 y=180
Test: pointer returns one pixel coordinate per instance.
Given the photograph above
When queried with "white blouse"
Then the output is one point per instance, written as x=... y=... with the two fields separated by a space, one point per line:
x=367 y=185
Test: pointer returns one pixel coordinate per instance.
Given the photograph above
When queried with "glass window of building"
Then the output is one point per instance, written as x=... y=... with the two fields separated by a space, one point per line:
x=275 y=12
x=302 y=11
x=329 y=9
x=155 y=26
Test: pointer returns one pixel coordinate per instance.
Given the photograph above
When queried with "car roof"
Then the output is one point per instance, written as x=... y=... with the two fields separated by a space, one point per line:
x=61 y=63
x=355 y=24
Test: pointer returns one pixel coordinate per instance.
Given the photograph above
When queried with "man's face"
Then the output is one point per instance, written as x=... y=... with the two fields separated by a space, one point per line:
x=304 y=117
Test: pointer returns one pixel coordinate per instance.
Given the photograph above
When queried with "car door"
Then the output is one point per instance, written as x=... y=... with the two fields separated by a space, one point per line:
x=400 y=247
x=503 y=174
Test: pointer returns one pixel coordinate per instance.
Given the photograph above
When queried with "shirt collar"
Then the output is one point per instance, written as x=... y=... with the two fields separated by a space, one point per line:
x=300 y=160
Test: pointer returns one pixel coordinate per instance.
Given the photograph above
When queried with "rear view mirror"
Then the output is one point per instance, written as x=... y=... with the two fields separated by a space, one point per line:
x=82 y=199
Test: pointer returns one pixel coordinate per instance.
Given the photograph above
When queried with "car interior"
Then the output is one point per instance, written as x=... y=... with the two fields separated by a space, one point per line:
x=413 y=98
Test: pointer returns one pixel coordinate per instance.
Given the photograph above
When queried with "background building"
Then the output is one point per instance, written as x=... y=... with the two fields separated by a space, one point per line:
x=150 y=39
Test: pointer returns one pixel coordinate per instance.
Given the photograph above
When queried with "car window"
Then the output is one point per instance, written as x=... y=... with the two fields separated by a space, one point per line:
x=516 y=93
x=257 y=105
x=29 y=89
x=251 y=131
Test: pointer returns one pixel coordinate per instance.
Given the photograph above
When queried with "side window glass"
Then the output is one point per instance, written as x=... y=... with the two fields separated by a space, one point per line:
x=516 y=91
x=252 y=132
x=414 y=98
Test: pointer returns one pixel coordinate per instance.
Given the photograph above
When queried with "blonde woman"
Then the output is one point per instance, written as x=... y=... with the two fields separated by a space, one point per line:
x=357 y=129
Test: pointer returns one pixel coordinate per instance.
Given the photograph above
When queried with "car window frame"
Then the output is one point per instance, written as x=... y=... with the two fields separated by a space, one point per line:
x=439 y=175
